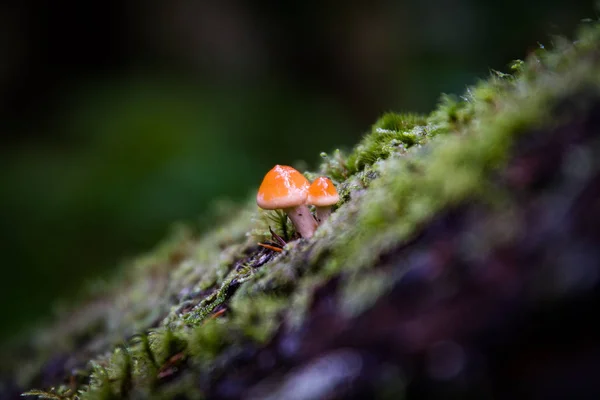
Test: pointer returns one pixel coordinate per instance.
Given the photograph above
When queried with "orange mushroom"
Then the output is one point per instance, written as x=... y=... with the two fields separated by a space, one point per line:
x=322 y=194
x=285 y=188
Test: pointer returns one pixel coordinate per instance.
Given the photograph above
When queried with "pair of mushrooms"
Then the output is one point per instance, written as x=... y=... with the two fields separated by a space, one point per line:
x=285 y=188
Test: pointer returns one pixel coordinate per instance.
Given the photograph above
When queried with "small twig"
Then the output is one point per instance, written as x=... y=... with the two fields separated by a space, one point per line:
x=277 y=237
x=218 y=313
x=170 y=367
x=268 y=246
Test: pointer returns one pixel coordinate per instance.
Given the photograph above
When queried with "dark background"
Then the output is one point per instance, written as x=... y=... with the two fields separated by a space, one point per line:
x=118 y=118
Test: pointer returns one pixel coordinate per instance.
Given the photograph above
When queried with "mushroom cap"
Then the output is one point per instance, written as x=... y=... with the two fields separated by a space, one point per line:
x=322 y=193
x=282 y=187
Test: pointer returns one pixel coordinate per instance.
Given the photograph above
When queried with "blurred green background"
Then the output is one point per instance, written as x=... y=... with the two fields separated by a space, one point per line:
x=119 y=117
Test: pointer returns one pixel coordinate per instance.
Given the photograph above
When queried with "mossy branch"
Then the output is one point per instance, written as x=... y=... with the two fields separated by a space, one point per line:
x=198 y=305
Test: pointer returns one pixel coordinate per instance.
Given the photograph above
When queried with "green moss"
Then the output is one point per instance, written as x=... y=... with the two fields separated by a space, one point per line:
x=100 y=387
x=398 y=122
x=405 y=171
x=207 y=340
x=392 y=134
x=267 y=220
x=256 y=316
x=334 y=166
x=185 y=387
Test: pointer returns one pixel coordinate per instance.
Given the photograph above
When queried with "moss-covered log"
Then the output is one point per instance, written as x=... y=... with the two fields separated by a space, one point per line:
x=463 y=260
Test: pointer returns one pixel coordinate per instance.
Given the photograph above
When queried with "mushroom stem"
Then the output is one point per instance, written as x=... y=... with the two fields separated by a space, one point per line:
x=323 y=213
x=302 y=219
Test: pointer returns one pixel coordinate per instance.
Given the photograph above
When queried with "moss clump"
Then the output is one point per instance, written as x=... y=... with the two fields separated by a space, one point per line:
x=391 y=135
x=199 y=304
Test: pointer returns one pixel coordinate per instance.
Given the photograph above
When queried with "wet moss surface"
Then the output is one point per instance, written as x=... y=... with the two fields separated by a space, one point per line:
x=462 y=260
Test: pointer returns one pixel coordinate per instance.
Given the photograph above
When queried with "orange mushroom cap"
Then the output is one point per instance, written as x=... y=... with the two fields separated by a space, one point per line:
x=282 y=187
x=322 y=193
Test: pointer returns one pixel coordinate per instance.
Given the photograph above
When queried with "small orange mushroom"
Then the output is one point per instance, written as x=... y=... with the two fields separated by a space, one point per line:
x=285 y=188
x=322 y=194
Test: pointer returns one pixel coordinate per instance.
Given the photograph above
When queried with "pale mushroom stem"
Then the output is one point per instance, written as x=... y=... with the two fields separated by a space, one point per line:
x=302 y=219
x=323 y=213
